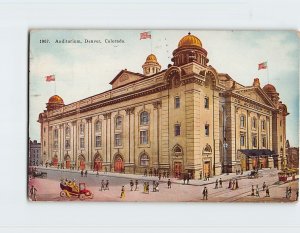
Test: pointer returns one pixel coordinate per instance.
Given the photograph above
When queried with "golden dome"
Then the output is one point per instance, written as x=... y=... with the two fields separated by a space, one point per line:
x=151 y=58
x=55 y=100
x=269 y=88
x=189 y=40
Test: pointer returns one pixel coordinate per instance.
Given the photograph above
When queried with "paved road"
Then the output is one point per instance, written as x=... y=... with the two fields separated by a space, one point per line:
x=48 y=189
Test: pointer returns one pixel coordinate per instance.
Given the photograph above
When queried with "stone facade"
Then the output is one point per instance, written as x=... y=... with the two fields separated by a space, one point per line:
x=186 y=118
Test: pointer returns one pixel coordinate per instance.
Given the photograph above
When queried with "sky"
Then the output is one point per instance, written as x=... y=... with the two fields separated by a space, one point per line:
x=85 y=69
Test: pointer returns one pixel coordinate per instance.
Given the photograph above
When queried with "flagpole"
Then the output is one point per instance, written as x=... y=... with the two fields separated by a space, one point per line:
x=151 y=40
x=54 y=85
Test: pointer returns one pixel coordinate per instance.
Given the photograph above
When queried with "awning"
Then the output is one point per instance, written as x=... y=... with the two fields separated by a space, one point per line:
x=259 y=153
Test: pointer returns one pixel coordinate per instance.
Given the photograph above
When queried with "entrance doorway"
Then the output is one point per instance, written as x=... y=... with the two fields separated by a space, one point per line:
x=255 y=163
x=81 y=165
x=177 y=169
x=264 y=162
x=68 y=162
x=55 y=161
x=206 y=169
x=97 y=164
x=118 y=164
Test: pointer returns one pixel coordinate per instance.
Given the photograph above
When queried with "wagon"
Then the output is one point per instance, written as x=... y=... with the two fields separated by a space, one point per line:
x=253 y=175
x=39 y=174
x=71 y=189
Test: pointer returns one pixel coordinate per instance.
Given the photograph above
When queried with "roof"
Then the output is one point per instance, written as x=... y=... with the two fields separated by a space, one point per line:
x=125 y=71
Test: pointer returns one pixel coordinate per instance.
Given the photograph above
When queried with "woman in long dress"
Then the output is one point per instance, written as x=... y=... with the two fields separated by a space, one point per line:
x=123 y=192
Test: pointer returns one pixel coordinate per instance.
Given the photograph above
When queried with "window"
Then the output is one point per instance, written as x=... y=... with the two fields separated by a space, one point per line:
x=263 y=125
x=206 y=130
x=264 y=142
x=280 y=138
x=98 y=126
x=56 y=133
x=44 y=143
x=280 y=122
x=68 y=131
x=144 y=160
x=118 y=122
x=44 y=129
x=242 y=140
x=55 y=144
x=67 y=144
x=98 y=141
x=81 y=128
x=254 y=141
x=177 y=130
x=206 y=102
x=118 y=140
x=254 y=123
x=177 y=102
x=144 y=118
x=242 y=121
x=81 y=142
x=144 y=137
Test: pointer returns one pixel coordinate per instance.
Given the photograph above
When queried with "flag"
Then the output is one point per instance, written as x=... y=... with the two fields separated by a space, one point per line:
x=145 y=35
x=263 y=65
x=50 y=78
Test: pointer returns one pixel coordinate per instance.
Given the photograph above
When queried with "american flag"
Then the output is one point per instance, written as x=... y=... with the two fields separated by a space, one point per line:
x=50 y=78
x=263 y=65
x=145 y=35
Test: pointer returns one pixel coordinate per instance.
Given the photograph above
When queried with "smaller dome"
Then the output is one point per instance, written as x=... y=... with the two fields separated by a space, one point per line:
x=269 y=88
x=189 y=40
x=151 y=58
x=55 y=100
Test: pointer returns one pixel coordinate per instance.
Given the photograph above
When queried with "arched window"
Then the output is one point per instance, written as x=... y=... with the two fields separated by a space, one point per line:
x=68 y=131
x=118 y=122
x=144 y=118
x=56 y=133
x=81 y=128
x=97 y=126
x=254 y=123
x=144 y=160
x=242 y=121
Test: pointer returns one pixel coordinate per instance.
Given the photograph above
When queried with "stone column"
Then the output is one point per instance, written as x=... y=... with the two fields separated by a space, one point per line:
x=130 y=156
x=89 y=141
x=216 y=133
x=156 y=133
x=74 y=143
x=108 y=142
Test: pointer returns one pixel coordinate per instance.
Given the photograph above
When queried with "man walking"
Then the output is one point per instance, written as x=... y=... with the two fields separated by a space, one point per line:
x=169 y=183
x=297 y=194
x=252 y=190
x=267 y=191
x=188 y=178
x=33 y=191
x=145 y=172
x=205 y=193
x=85 y=173
x=131 y=185
x=102 y=185
x=216 y=184
x=136 y=185
x=107 y=185
x=264 y=186
x=81 y=173
x=220 y=182
x=257 y=191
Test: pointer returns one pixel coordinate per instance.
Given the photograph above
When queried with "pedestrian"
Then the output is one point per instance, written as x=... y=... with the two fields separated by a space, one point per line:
x=168 y=174
x=169 y=183
x=230 y=184
x=159 y=175
x=136 y=185
x=267 y=191
x=236 y=184
x=81 y=173
x=297 y=194
x=188 y=178
x=287 y=192
x=102 y=185
x=257 y=191
x=233 y=185
x=252 y=190
x=154 y=171
x=33 y=192
x=208 y=175
x=205 y=193
x=147 y=187
x=145 y=172
x=290 y=192
x=131 y=185
x=164 y=174
x=216 y=184
x=242 y=172
x=107 y=185
x=122 y=192
x=150 y=172
x=85 y=173
x=97 y=173
x=184 y=179
x=264 y=186
x=154 y=186
x=220 y=182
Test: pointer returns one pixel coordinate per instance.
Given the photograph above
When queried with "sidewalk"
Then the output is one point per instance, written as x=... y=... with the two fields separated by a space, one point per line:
x=195 y=182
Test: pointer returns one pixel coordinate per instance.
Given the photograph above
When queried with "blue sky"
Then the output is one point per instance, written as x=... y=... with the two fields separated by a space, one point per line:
x=83 y=70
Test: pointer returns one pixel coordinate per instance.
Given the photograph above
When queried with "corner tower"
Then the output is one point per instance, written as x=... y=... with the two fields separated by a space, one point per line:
x=151 y=66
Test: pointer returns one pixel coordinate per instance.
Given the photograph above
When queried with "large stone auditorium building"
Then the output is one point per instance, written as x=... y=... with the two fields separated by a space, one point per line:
x=186 y=118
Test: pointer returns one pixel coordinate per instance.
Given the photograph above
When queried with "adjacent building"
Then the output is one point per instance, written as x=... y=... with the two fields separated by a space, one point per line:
x=34 y=153
x=186 y=118
x=292 y=155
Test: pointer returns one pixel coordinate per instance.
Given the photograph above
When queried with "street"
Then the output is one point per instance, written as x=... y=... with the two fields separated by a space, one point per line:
x=48 y=189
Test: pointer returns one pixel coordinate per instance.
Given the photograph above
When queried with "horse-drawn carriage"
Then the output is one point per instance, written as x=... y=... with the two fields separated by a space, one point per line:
x=253 y=174
x=70 y=188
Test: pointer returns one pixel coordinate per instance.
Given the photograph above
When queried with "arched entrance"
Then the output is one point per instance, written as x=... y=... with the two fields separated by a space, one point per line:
x=67 y=162
x=255 y=162
x=118 y=163
x=81 y=160
x=55 y=161
x=97 y=163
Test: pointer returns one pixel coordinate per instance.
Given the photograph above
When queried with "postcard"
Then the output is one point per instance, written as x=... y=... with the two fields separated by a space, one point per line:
x=163 y=116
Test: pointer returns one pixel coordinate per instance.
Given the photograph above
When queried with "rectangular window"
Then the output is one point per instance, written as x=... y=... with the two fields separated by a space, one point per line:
x=206 y=102
x=98 y=141
x=263 y=125
x=242 y=140
x=81 y=128
x=177 y=130
x=242 y=121
x=280 y=138
x=254 y=141
x=67 y=143
x=81 y=143
x=177 y=102
x=118 y=140
x=206 y=130
x=55 y=144
x=55 y=133
x=144 y=137
x=264 y=142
